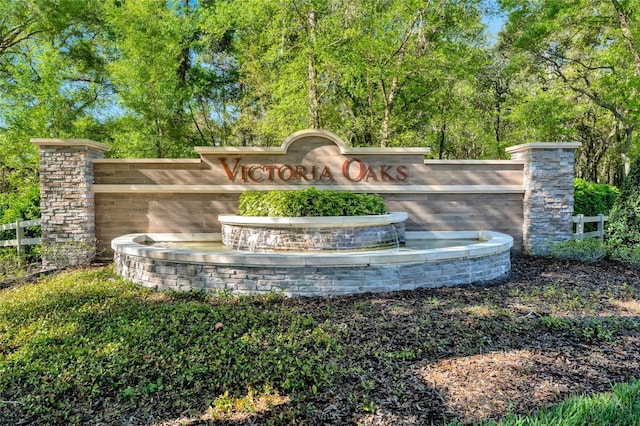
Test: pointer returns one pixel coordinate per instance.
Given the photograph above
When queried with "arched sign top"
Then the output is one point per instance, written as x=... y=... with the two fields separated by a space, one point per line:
x=318 y=133
x=305 y=134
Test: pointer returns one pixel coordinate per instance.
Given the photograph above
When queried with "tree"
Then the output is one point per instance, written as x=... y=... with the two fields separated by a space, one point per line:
x=586 y=51
x=50 y=82
x=348 y=65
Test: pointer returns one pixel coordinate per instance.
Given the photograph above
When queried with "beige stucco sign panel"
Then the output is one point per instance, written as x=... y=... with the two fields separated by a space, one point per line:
x=313 y=157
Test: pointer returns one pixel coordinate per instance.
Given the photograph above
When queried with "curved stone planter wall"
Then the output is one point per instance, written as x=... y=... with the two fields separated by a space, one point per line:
x=259 y=234
x=311 y=274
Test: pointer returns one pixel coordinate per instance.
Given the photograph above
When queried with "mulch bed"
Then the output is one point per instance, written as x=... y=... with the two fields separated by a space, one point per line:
x=552 y=329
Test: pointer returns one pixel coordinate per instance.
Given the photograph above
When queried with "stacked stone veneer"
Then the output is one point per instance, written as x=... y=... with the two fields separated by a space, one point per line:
x=257 y=239
x=310 y=281
x=548 y=197
x=67 y=199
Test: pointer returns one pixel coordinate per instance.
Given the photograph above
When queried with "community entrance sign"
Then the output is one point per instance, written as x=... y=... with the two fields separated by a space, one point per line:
x=314 y=157
x=86 y=197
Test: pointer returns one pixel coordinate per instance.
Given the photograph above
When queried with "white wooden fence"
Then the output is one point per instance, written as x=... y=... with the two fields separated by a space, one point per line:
x=20 y=241
x=580 y=220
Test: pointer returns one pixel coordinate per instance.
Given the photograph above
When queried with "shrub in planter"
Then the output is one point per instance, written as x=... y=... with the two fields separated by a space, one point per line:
x=309 y=202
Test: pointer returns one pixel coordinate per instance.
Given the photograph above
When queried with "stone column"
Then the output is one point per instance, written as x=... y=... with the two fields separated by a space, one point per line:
x=66 y=199
x=548 y=196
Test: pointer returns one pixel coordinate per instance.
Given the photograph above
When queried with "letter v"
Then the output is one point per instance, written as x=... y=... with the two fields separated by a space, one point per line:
x=231 y=174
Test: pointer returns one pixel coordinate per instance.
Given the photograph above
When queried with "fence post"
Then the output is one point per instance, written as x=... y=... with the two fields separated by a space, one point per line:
x=19 y=238
x=601 y=227
x=580 y=227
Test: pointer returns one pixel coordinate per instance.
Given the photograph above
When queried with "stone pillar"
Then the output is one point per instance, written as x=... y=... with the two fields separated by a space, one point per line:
x=548 y=196
x=66 y=199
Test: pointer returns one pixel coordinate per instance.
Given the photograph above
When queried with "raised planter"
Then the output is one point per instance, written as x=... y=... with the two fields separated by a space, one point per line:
x=330 y=233
x=139 y=259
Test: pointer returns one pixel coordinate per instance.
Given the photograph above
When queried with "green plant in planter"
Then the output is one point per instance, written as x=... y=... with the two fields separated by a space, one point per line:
x=309 y=202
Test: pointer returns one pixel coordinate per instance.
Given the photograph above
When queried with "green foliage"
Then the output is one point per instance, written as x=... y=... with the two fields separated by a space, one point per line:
x=619 y=407
x=577 y=65
x=309 y=202
x=23 y=204
x=589 y=329
x=627 y=254
x=12 y=266
x=86 y=347
x=623 y=228
x=588 y=250
x=76 y=338
x=68 y=254
x=591 y=199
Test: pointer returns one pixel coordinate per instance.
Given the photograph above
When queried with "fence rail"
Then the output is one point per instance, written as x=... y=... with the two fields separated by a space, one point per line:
x=581 y=219
x=20 y=241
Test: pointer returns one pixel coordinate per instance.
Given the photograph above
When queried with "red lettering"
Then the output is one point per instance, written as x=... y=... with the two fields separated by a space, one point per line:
x=370 y=174
x=285 y=169
x=326 y=173
x=347 y=165
x=231 y=173
x=270 y=168
x=251 y=175
x=300 y=172
x=384 y=173
x=402 y=173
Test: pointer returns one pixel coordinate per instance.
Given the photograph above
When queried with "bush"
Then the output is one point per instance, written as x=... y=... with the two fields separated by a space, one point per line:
x=630 y=255
x=69 y=254
x=591 y=199
x=623 y=229
x=309 y=202
x=11 y=266
x=589 y=250
x=22 y=205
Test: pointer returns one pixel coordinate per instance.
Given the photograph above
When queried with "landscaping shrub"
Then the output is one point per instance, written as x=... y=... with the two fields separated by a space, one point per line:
x=623 y=231
x=591 y=199
x=589 y=250
x=309 y=202
x=72 y=253
x=627 y=254
x=21 y=205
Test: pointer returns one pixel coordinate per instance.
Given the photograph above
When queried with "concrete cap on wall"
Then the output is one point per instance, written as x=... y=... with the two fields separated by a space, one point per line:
x=70 y=142
x=543 y=145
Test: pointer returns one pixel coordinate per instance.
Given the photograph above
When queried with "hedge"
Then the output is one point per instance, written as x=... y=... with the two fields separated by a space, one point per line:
x=309 y=202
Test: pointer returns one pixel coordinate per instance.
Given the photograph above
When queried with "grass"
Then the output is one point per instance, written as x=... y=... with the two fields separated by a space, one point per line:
x=621 y=407
x=87 y=347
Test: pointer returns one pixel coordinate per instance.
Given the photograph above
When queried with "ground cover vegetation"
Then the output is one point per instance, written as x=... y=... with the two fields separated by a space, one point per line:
x=84 y=346
x=154 y=78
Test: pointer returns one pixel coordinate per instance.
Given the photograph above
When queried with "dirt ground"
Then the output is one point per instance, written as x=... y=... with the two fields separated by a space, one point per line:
x=553 y=328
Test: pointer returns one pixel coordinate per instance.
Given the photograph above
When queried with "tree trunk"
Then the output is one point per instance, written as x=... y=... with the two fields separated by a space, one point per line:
x=441 y=140
x=314 y=102
x=389 y=99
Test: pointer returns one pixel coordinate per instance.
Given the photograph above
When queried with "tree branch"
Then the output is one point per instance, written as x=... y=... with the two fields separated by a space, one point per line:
x=626 y=33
